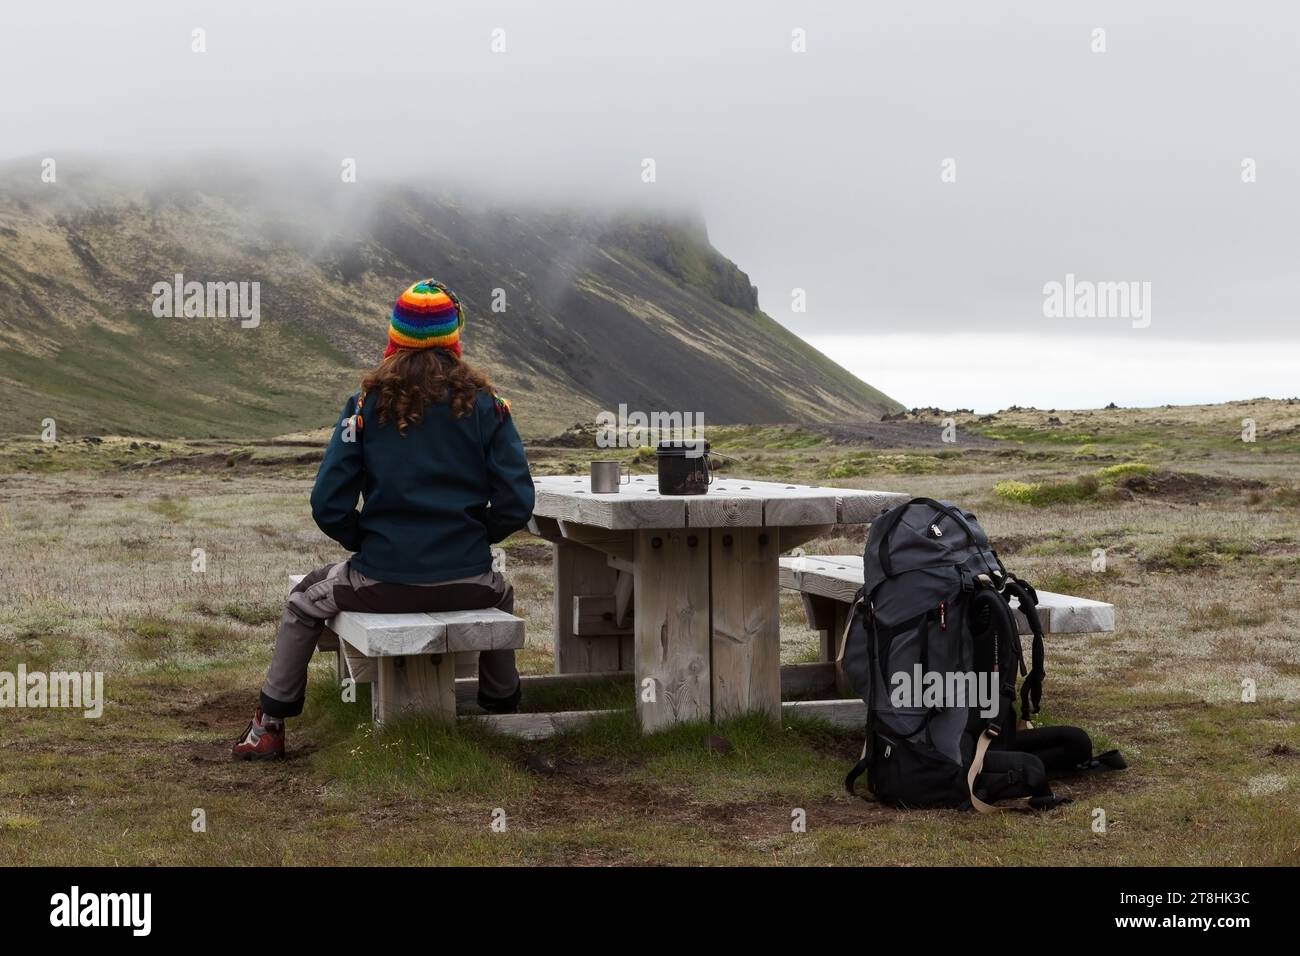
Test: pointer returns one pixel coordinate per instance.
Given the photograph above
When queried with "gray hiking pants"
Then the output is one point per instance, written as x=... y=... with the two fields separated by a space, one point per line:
x=340 y=587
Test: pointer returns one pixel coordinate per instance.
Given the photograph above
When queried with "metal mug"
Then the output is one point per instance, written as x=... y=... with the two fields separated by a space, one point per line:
x=606 y=476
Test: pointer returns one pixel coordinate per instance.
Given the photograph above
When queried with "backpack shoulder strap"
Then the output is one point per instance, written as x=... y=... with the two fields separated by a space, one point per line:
x=1031 y=690
x=1004 y=634
x=860 y=767
x=859 y=602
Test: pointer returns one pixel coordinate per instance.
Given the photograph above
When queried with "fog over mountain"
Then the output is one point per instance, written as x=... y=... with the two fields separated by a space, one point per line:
x=217 y=298
x=915 y=170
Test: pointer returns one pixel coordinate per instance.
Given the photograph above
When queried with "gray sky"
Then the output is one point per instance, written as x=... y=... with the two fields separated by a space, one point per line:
x=818 y=170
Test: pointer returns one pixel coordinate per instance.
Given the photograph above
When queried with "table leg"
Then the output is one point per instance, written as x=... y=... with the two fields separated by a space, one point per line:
x=580 y=571
x=834 y=641
x=622 y=606
x=829 y=616
x=671 y=626
x=746 y=642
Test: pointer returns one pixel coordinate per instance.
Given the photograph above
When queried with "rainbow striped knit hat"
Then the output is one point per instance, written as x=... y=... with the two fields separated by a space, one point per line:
x=426 y=316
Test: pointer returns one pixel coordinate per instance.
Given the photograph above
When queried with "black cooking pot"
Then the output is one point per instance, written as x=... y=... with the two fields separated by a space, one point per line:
x=684 y=467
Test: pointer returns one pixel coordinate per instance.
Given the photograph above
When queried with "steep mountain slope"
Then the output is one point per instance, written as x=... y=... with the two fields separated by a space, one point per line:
x=599 y=309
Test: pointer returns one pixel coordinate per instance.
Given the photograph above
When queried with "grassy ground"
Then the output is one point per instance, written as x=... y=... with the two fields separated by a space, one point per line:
x=1202 y=552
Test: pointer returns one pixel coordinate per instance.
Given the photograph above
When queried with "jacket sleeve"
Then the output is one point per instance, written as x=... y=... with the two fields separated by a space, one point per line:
x=510 y=484
x=338 y=484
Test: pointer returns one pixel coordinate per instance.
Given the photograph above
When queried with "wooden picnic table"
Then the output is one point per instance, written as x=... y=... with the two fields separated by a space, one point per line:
x=700 y=575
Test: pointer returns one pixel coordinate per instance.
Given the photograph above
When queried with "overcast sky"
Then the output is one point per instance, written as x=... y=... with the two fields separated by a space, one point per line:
x=819 y=170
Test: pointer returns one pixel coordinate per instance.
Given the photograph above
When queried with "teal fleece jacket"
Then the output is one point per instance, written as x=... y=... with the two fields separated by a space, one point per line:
x=434 y=501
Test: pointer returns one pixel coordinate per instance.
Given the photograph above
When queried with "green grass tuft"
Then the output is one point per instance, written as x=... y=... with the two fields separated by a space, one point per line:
x=1042 y=493
x=1192 y=553
x=1114 y=473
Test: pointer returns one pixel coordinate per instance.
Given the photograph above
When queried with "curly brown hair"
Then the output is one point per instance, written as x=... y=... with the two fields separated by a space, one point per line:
x=409 y=379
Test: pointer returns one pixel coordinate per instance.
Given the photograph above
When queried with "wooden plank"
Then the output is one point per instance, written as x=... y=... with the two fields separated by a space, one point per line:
x=484 y=629
x=546 y=528
x=438 y=632
x=623 y=595
x=808 y=680
x=568 y=498
x=833 y=636
x=617 y=544
x=862 y=506
x=829 y=617
x=391 y=635
x=360 y=668
x=816 y=679
x=671 y=620
x=539 y=726
x=578 y=571
x=819 y=611
x=791 y=538
x=849 y=714
x=784 y=504
x=730 y=502
x=716 y=508
x=594 y=615
x=834 y=578
x=810 y=509
x=420 y=684
x=838 y=578
x=746 y=644
x=723 y=509
x=831 y=648
x=1073 y=615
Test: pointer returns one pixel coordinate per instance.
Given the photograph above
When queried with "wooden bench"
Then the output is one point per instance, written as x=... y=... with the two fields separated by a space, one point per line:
x=829 y=582
x=411 y=659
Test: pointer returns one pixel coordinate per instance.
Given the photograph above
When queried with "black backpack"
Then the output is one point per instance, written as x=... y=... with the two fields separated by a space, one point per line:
x=933 y=648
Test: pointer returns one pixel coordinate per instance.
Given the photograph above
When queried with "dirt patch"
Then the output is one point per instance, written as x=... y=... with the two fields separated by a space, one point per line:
x=529 y=552
x=1186 y=487
x=581 y=792
x=223 y=712
x=226 y=462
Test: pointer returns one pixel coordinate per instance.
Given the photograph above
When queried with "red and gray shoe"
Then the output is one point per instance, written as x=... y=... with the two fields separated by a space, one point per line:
x=259 y=741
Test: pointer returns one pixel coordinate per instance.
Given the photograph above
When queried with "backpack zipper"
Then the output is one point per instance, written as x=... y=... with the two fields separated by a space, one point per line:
x=943 y=616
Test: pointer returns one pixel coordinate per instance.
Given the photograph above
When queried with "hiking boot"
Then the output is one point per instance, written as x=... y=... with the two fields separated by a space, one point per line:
x=501 y=705
x=260 y=740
